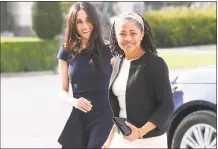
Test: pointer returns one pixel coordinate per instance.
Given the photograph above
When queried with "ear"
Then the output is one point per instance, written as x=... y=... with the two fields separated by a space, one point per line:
x=142 y=35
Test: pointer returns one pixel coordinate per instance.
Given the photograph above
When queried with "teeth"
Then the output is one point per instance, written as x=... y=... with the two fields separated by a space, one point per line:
x=86 y=31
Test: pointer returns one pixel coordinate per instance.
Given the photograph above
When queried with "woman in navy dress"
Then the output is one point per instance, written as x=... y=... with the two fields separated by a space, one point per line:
x=84 y=61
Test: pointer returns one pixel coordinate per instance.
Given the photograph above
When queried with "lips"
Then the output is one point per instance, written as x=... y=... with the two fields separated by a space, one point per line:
x=129 y=44
x=86 y=31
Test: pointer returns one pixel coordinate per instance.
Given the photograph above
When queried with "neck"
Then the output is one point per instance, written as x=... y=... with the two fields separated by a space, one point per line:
x=84 y=44
x=135 y=54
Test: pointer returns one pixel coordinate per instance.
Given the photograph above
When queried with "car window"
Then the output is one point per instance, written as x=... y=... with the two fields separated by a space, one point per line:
x=200 y=75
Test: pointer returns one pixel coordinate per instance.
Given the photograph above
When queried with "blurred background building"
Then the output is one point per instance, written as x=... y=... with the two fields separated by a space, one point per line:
x=16 y=19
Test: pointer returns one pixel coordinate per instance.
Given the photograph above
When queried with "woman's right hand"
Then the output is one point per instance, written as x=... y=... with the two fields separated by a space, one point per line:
x=83 y=104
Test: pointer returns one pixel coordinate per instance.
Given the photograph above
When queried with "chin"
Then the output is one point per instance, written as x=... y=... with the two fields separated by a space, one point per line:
x=86 y=37
x=128 y=49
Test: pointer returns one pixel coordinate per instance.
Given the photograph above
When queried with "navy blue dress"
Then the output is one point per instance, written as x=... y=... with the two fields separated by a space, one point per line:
x=91 y=129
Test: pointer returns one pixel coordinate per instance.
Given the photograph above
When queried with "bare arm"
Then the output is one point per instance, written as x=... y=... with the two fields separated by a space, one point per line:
x=81 y=103
x=147 y=127
x=64 y=79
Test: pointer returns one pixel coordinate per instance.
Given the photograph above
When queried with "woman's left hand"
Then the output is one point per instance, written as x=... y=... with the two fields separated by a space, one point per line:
x=135 y=132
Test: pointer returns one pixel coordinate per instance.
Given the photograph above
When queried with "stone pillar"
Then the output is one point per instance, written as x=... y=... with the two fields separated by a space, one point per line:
x=4 y=17
x=137 y=7
x=22 y=12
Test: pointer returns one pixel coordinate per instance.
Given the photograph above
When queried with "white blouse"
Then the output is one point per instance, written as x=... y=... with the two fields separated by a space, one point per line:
x=119 y=86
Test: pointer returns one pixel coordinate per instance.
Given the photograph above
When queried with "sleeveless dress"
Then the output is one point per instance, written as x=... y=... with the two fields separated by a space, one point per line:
x=91 y=129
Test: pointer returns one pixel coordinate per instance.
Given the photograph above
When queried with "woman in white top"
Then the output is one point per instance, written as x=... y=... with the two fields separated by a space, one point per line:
x=139 y=87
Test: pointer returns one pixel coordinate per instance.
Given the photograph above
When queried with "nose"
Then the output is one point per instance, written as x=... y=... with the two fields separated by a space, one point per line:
x=128 y=38
x=85 y=25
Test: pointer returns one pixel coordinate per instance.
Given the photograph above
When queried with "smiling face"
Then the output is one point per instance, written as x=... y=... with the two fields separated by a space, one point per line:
x=129 y=35
x=83 y=25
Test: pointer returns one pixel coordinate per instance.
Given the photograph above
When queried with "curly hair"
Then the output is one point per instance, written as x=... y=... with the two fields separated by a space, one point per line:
x=72 y=38
x=148 y=43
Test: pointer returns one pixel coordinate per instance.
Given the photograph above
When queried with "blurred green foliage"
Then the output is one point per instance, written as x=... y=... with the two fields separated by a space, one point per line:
x=20 y=39
x=183 y=27
x=19 y=55
x=172 y=28
x=47 y=19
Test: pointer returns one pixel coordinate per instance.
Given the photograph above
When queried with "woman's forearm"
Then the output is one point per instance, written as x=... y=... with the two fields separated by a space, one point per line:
x=67 y=98
x=147 y=127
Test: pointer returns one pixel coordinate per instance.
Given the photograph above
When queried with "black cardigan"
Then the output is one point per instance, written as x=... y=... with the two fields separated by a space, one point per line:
x=148 y=93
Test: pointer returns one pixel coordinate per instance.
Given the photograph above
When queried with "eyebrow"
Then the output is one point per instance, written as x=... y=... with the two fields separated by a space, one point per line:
x=80 y=19
x=130 y=30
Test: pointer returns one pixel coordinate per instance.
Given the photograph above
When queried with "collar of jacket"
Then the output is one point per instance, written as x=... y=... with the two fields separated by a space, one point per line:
x=118 y=62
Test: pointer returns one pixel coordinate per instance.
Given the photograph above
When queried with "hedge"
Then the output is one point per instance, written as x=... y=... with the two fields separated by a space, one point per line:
x=172 y=28
x=22 y=55
x=183 y=26
x=47 y=19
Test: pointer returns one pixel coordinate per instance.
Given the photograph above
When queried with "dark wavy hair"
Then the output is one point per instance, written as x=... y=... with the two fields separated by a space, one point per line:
x=72 y=39
x=148 y=43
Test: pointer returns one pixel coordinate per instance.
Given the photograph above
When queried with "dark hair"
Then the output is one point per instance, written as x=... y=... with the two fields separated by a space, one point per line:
x=147 y=44
x=96 y=42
